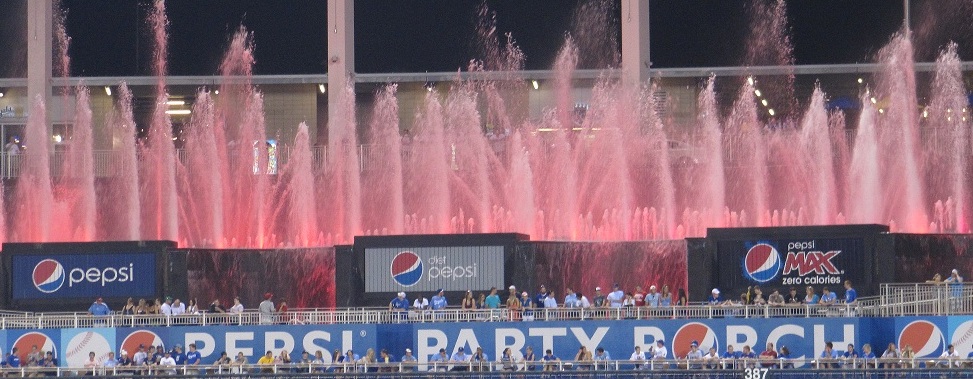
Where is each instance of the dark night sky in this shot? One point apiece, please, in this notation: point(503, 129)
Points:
point(109, 37)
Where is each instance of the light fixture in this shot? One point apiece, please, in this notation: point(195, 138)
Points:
point(925, 113)
point(322, 88)
point(750, 80)
point(881, 110)
point(1, 94)
point(860, 80)
point(178, 112)
point(429, 86)
point(216, 92)
point(764, 102)
point(757, 92)
point(176, 102)
point(535, 84)
point(873, 100)
point(108, 90)
point(57, 138)
point(771, 111)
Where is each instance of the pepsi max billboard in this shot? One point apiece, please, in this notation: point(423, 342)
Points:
point(83, 276)
point(428, 269)
point(817, 256)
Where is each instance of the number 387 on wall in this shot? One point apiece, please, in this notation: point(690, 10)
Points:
point(755, 373)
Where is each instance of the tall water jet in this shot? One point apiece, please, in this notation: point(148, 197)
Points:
point(302, 225)
point(122, 220)
point(816, 141)
point(470, 187)
point(342, 179)
point(747, 177)
point(78, 176)
point(520, 191)
point(382, 204)
point(204, 199)
point(710, 179)
point(427, 179)
point(905, 201)
point(34, 199)
point(864, 201)
point(946, 121)
point(160, 201)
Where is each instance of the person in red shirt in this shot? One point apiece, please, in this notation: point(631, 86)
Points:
point(639, 296)
point(768, 358)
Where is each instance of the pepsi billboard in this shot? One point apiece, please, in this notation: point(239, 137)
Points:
point(818, 256)
point(453, 268)
point(83, 276)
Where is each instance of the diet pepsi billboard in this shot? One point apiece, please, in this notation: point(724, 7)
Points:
point(83, 276)
point(427, 269)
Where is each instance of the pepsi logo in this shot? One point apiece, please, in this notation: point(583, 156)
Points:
point(140, 337)
point(762, 263)
point(48, 276)
point(406, 268)
point(26, 343)
point(924, 337)
point(694, 331)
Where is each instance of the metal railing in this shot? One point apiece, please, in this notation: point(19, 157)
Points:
point(926, 299)
point(670, 368)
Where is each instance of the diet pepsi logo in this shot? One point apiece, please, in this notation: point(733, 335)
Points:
point(406, 268)
point(694, 331)
point(923, 337)
point(762, 263)
point(48, 276)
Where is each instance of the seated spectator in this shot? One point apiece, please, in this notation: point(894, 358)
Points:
point(178, 307)
point(550, 301)
point(784, 356)
point(828, 297)
point(949, 358)
point(829, 357)
point(215, 307)
point(12, 360)
point(507, 360)
point(714, 298)
point(694, 357)
point(240, 363)
point(810, 298)
point(868, 357)
point(110, 362)
point(792, 298)
point(480, 360)
point(529, 358)
point(222, 363)
point(775, 299)
point(768, 358)
point(265, 362)
point(550, 361)
point(237, 307)
point(460, 360)
point(192, 308)
point(712, 359)
point(730, 357)
point(890, 358)
point(758, 297)
point(583, 359)
point(124, 360)
point(850, 357)
point(439, 361)
point(638, 356)
point(386, 362)
point(91, 365)
point(748, 357)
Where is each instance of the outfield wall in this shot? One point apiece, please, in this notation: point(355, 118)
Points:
point(805, 337)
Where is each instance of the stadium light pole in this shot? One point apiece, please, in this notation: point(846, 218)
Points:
point(635, 42)
point(40, 54)
point(341, 65)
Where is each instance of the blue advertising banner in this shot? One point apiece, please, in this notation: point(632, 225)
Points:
point(59, 276)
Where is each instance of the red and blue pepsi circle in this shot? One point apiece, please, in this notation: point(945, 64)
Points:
point(762, 263)
point(407, 268)
point(48, 276)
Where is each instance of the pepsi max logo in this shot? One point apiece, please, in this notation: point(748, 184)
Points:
point(48, 276)
point(762, 263)
point(683, 340)
point(923, 337)
point(407, 268)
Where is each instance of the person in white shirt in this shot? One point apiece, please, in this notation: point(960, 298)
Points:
point(616, 297)
point(177, 307)
point(421, 303)
point(168, 361)
point(660, 352)
point(638, 356)
point(166, 308)
point(237, 306)
point(550, 301)
point(583, 301)
point(950, 357)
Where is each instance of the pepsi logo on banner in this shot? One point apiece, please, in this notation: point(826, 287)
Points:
point(924, 337)
point(407, 268)
point(26, 343)
point(694, 331)
point(762, 263)
point(144, 338)
point(48, 276)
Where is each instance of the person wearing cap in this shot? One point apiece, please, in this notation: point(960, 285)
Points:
point(124, 359)
point(99, 308)
point(599, 300)
point(178, 355)
point(166, 307)
point(440, 362)
point(955, 283)
point(714, 297)
point(438, 302)
point(660, 353)
point(460, 360)
point(400, 306)
point(139, 358)
point(652, 298)
point(540, 297)
point(526, 306)
point(695, 356)
point(408, 361)
point(168, 361)
point(267, 309)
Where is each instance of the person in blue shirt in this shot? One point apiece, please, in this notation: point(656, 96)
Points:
point(493, 300)
point(850, 294)
point(550, 361)
point(399, 304)
point(748, 357)
point(729, 357)
point(714, 297)
point(193, 356)
point(868, 356)
point(178, 356)
point(438, 302)
point(528, 358)
point(481, 361)
point(99, 308)
point(571, 299)
point(850, 356)
point(652, 298)
point(601, 358)
point(829, 357)
point(541, 296)
point(828, 297)
point(460, 360)
point(12, 360)
point(439, 361)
